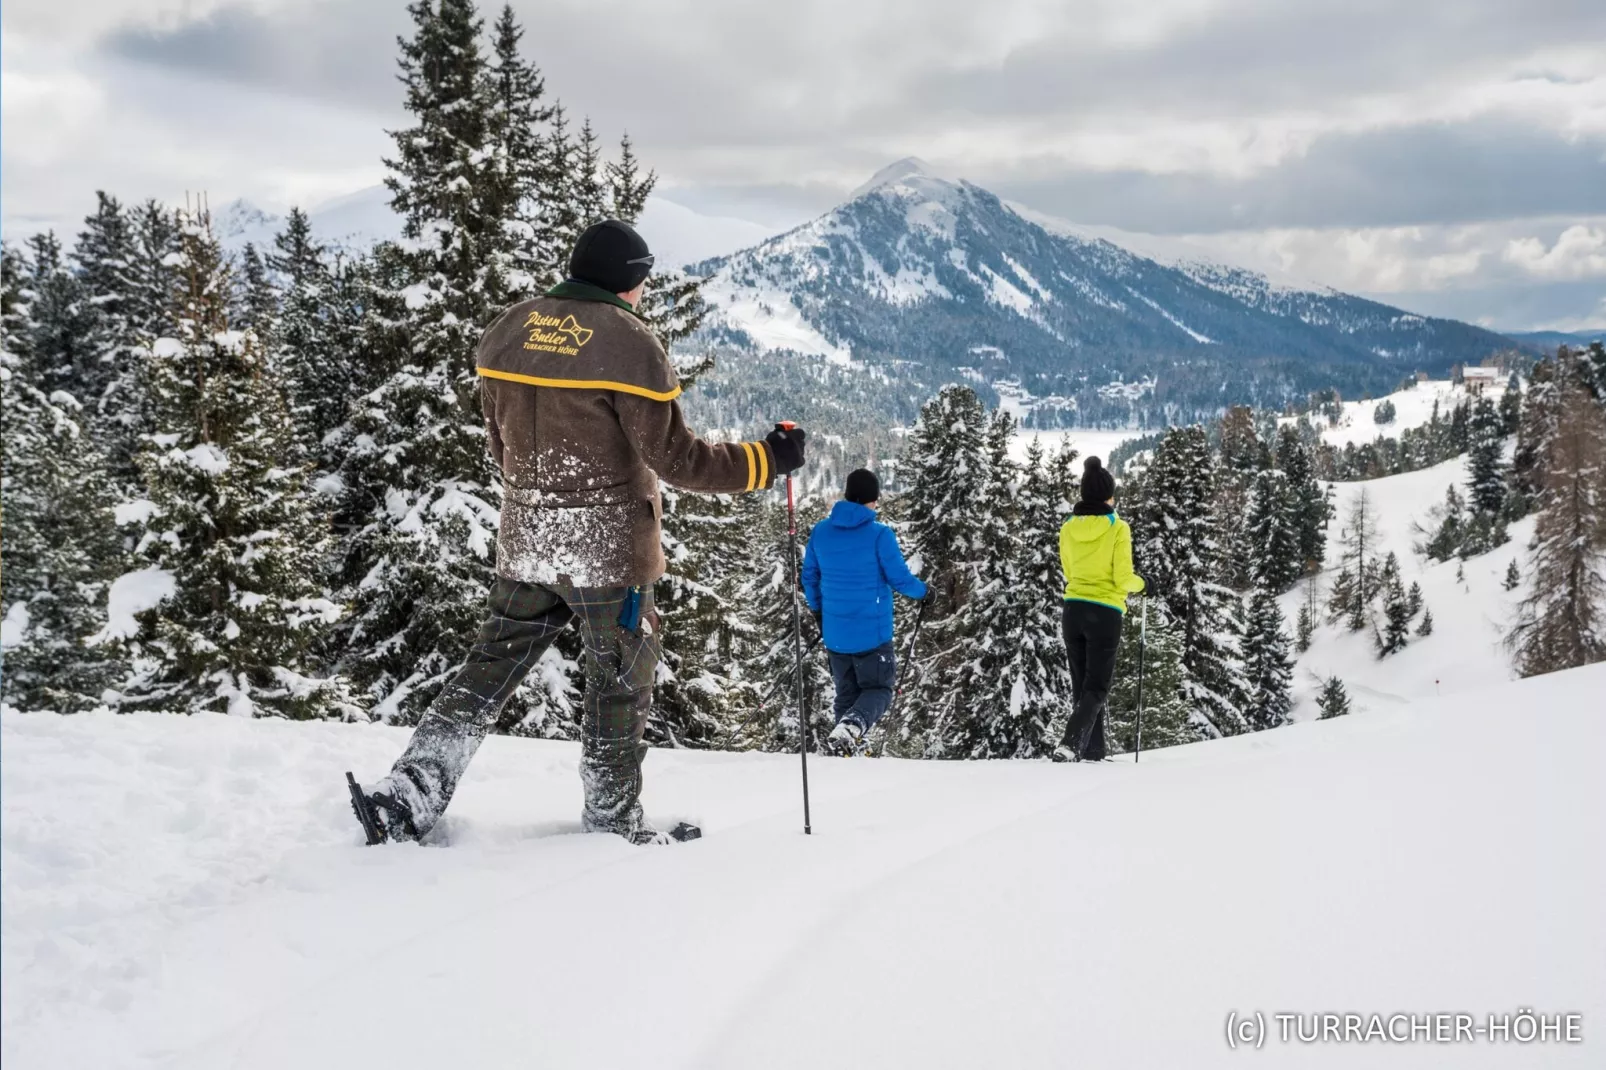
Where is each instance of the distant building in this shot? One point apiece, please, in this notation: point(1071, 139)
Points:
point(1476, 379)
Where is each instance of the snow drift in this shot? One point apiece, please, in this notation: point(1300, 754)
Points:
point(191, 893)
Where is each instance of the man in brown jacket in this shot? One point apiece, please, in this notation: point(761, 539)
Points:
point(580, 408)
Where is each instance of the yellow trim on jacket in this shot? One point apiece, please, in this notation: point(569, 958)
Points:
point(583, 384)
point(752, 465)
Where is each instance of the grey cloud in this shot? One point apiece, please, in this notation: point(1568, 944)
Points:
point(1267, 55)
point(1431, 173)
point(341, 54)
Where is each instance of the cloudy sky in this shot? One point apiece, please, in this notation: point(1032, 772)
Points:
point(1447, 155)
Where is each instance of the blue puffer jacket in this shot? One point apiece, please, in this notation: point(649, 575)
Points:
point(849, 569)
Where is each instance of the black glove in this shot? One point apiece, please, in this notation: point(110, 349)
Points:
point(786, 446)
point(819, 619)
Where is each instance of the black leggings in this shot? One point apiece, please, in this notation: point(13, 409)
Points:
point(1092, 636)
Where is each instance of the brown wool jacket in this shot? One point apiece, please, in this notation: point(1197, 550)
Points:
point(580, 406)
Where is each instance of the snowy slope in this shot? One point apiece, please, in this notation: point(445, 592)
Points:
point(190, 893)
point(1413, 408)
point(1464, 655)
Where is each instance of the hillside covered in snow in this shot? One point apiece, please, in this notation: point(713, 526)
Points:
point(191, 893)
point(1472, 609)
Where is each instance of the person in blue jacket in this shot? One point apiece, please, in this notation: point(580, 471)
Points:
point(850, 569)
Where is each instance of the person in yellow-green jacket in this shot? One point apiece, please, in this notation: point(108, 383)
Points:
point(1096, 553)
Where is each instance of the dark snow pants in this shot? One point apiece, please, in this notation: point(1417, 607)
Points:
point(864, 684)
point(1092, 636)
point(524, 619)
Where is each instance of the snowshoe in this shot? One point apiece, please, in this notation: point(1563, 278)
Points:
point(383, 817)
point(1063, 753)
point(649, 836)
point(846, 739)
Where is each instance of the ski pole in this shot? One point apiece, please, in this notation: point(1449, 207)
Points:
point(797, 637)
point(1143, 640)
point(909, 651)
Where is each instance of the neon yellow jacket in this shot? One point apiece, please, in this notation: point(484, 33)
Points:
point(1096, 553)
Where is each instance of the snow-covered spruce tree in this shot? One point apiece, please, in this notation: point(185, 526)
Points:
point(146, 313)
point(1486, 484)
point(105, 256)
point(1541, 410)
point(1426, 627)
point(1511, 405)
point(703, 542)
point(306, 343)
point(62, 549)
point(1560, 622)
point(1267, 665)
point(422, 558)
point(254, 305)
point(1271, 538)
point(628, 187)
point(1341, 596)
point(1177, 547)
point(589, 186)
point(1310, 509)
point(946, 466)
point(233, 528)
point(1040, 676)
point(1241, 452)
point(558, 222)
point(1395, 629)
point(1004, 685)
point(769, 659)
point(1447, 527)
point(1513, 577)
point(518, 117)
point(673, 302)
point(1332, 700)
point(1413, 599)
point(1304, 628)
point(58, 348)
point(1167, 720)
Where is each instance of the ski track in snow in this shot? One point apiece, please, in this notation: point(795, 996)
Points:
point(189, 893)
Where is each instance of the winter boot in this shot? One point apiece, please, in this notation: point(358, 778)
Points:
point(846, 738)
point(383, 813)
point(1065, 753)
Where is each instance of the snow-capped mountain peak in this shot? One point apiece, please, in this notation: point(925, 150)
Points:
point(917, 269)
point(910, 171)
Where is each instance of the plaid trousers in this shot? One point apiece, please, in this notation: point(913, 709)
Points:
point(524, 620)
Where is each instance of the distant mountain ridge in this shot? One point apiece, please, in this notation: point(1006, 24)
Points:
point(677, 235)
point(917, 271)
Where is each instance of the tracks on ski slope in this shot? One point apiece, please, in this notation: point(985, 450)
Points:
point(715, 918)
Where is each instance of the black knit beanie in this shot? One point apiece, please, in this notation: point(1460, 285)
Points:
point(1097, 483)
point(863, 487)
point(610, 254)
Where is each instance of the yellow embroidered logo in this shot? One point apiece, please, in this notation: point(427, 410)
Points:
point(549, 334)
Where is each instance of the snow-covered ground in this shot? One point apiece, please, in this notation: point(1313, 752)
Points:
point(1089, 441)
point(1412, 408)
point(191, 893)
point(1470, 617)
